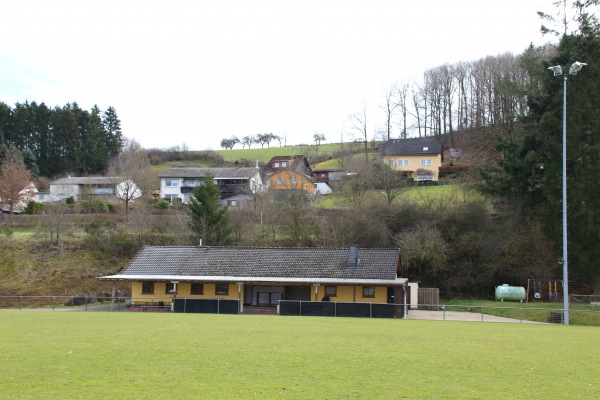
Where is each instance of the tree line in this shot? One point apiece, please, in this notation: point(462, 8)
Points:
point(63, 139)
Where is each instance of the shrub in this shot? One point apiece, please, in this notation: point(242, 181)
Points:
point(163, 204)
point(33, 207)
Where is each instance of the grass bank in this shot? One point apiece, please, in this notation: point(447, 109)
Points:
point(58, 355)
point(425, 195)
point(265, 154)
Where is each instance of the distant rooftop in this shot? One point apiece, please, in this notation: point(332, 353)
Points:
point(412, 146)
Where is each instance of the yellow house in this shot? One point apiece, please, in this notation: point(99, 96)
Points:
point(325, 280)
point(417, 158)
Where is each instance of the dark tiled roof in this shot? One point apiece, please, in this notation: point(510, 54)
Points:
point(232, 173)
point(272, 262)
point(288, 158)
point(413, 146)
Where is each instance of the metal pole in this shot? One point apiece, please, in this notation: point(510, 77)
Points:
point(564, 207)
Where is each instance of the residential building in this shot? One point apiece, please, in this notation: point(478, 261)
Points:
point(27, 194)
point(237, 185)
point(106, 187)
point(417, 158)
point(289, 173)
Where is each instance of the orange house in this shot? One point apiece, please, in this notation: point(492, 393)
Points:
point(290, 173)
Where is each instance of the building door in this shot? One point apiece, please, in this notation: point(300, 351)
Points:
point(391, 295)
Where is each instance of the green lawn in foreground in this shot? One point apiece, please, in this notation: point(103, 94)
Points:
point(76, 355)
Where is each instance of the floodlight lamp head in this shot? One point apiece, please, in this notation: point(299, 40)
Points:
point(576, 67)
point(557, 69)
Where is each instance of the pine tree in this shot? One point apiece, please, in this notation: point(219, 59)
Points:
point(112, 132)
point(530, 168)
point(210, 218)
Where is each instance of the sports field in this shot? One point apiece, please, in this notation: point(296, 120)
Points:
point(87, 355)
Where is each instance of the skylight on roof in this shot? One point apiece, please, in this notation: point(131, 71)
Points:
point(425, 148)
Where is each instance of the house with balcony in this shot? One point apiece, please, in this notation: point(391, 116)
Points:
point(237, 185)
point(417, 158)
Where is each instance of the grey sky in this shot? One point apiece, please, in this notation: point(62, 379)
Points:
point(195, 72)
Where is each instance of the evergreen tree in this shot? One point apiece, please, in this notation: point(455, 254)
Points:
point(112, 132)
point(530, 168)
point(65, 132)
point(5, 118)
point(210, 219)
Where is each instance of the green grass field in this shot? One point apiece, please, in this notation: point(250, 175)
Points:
point(416, 194)
point(265, 154)
point(77, 355)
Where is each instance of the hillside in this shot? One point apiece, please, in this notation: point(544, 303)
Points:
point(33, 267)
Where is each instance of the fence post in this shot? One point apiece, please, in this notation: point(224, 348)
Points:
point(335, 308)
point(481, 313)
point(443, 312)
point(521, 314)
point(20, 301)
point(370, 310)
point(218, 306)
point(300, 312)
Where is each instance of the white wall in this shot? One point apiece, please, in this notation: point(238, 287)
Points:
point(414, 295)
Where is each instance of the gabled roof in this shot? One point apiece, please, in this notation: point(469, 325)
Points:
point(267, 264)
point(89, 180)
point(412, 146)
point(288, 158)
point(229, 173)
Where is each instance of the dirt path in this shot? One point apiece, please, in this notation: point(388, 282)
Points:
point(462, 316)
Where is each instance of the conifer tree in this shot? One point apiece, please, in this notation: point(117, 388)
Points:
point(210, 219)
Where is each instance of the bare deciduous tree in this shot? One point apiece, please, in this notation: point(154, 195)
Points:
point(389, 105)
point(15, 179)
point(133, 165)
point(358, 123)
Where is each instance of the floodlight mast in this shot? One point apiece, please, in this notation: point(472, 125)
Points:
point(557, 69)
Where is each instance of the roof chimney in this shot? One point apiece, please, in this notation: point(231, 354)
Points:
point(200, 243)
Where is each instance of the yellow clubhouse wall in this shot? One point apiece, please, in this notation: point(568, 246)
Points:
point(183, 290)
point(352, 294)
point(345, 294)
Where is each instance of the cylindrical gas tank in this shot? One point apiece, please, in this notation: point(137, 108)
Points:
point(512, 293)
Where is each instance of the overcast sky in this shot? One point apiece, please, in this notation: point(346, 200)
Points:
point(196, 72)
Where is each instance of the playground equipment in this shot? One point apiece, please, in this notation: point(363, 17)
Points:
point(536, 287)
point(507, 292)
